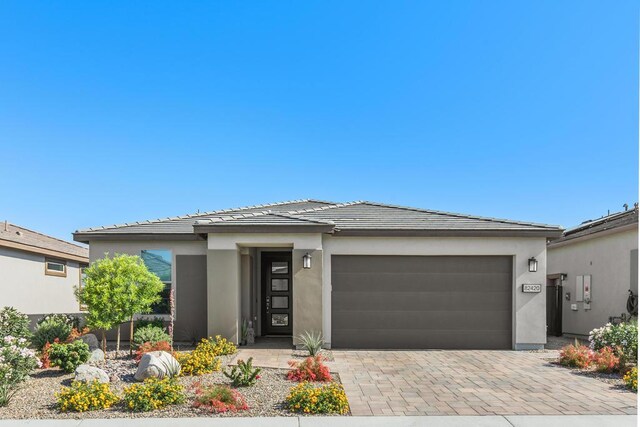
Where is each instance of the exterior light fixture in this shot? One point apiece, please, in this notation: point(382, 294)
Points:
point(563, 277)
point(306, 261)
point(533, 265)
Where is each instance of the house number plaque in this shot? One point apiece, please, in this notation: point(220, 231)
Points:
point(531, 289)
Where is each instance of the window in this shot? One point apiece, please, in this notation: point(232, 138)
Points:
point(159, 262)
point(54, 267)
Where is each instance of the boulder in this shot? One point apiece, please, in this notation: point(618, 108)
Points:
point(96, 355)
point(89, 373)
point(90, 340)
point(157, 364)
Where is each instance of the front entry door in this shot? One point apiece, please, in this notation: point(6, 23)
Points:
point(554, 307)
point(277, 291)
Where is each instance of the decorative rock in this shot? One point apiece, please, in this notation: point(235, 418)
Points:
point(91, 340)
point(97, 355)
point(91, 373)
point(157, 364)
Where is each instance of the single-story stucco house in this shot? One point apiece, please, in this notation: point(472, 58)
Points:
point(38, 273)
point(368, 275)
point(591, 270)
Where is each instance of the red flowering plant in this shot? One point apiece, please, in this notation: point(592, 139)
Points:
point(576, 355)
point(149, 346)
point(606, 360)
point(219, 398)
point(44, 356)
point(310, 369)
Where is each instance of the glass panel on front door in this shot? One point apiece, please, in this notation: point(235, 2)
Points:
point(279, 302)
point(279, 320)
point(279, 267)
point(279, 285)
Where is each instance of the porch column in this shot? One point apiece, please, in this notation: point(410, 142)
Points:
point(223, 294)
point(307, 293)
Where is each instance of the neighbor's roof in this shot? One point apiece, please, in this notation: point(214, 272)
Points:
point(16, 237)
point(352, 218)
point(615, 221)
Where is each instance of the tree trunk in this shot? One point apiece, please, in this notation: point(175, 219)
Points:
point(131, 337)
point(118, 341)
point(104, 343)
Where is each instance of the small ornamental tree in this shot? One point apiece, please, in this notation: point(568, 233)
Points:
point(116, 289)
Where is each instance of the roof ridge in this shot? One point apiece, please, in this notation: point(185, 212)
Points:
point(196, 215)
point(460, 215)
point(45, 235)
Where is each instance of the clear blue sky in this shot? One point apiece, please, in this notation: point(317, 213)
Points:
point(121, 111)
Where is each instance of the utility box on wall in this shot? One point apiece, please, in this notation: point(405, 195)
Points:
point(583, 290)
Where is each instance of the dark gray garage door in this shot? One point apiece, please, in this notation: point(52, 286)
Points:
point(429, 302)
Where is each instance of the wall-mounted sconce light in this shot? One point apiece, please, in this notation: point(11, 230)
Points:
point(567, 296)
point(533, 265)
point(306, 261)
point(563, 276)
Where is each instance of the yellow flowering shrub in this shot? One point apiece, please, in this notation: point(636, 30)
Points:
point(82, 396)
point(221, 346)
point(152, 394)
point(203, 360)
point(631, 379)
point(308, 398)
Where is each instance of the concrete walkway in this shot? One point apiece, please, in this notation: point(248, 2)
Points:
point(477, 421)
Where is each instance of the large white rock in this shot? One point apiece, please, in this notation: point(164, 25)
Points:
point(91, 373)
point(96, 355)
point(157, 364)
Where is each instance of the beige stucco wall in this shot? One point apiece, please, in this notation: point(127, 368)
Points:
point(223, 294)
point(307, 292)
point(607, 258)
point(24, 285)
point(529, 322)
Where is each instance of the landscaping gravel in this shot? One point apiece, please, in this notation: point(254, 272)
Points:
point(36, 397)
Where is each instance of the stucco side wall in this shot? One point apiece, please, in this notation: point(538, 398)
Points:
point(529, 320)
point(607, 259)
point(25, 286)
point(307, 293)
point(223, 294)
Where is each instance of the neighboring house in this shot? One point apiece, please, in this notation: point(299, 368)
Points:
point(591, 270)
point(38, 273)
point(368, 275)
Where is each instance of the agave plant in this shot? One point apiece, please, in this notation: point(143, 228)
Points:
point(311, 341)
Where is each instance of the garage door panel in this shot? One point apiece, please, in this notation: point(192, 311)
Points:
point(427, 321)
point(412, 281)
point(376, 301)
point(421, 302)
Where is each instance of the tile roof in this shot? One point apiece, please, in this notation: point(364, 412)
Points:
point(606, 223)
point(17, 237)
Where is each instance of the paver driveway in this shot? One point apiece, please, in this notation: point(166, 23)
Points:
point(471, 383)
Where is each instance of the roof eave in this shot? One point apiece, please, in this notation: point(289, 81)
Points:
point(93, 236)
point(43, 251)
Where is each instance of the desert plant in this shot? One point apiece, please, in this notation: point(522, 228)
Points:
point(310, 369)
point(221, 346)
point(219, 398)
point(115, 289)
point(623, 338)
point(605, 360)
point(148, 347)
point(51, 330)
point(203, 360)
point(311, 341)
point(69, 319)
point(244, 374)
point(82, 396)
point(575, 355)
point(14, 324)
point(75, 334)
point(631, 379)
point(45, 360)
point(310, 399)
point(69, 356)
point(146, 321)
point(149, 334)
point(244, 331)
point(16, 363)
point(152, 394)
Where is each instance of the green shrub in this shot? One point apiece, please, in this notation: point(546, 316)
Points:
point(69, 319)
point(69, 356)
point(622, 337)
point(153, 394)
point(244, 374)
point(16, 362)
point(50, 330)
point(83, 396)
point(311, 341)
point(14, 324)
point(310, 399)
point(151, 334)
point(158, 322)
